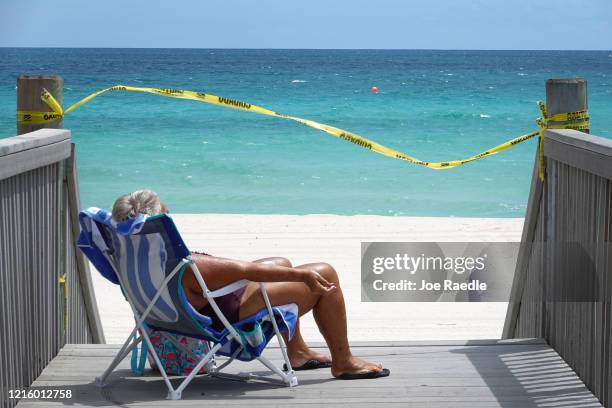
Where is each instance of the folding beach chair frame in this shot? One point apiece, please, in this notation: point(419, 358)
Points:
point(287, 378)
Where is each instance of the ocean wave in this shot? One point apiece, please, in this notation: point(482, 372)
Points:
point(484, 115)
point(298, 81)
point(453, 115)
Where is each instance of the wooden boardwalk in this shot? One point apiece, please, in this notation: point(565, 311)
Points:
point(477, 373)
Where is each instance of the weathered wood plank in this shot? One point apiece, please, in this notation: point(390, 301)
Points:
point(32, 140)
point(576, 401)
point(26, 160)
point(493, 375)
point(576, 149)
point(81, 264)
point(524, 255)
point(384, 344)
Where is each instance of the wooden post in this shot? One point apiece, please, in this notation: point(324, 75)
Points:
point(562, 96)
point(566, 95)
point(81, 263)
point(29, 89)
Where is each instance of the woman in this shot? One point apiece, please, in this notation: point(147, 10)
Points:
point(312, 286)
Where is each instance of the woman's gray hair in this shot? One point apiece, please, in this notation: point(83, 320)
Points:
point(141, 201)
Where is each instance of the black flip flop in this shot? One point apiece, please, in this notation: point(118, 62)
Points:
point(309, 365)
point(362, 376)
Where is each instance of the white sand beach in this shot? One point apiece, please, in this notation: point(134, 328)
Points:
point(337, 240)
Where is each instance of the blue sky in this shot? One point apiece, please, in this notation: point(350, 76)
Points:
point(403, 24)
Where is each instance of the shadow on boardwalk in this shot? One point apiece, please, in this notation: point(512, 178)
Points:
point(535, 375)
point(479, 373)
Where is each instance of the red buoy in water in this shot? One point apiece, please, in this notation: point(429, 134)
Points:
point(374, 89)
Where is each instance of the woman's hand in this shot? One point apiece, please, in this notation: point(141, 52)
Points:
point(317, 283)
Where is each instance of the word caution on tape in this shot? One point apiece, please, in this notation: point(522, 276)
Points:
point(578, 120)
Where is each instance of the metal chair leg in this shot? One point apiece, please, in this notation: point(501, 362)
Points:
point(128, 345)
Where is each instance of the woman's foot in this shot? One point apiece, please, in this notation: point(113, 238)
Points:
point(298, 358)
point(355, 365)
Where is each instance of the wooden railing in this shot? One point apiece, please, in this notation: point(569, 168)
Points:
point(39, 204)
point(562, 290)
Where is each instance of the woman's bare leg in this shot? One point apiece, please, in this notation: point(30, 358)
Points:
point(298, 351)
point(329, 313)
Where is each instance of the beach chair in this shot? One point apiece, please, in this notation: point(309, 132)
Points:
point(147, 258)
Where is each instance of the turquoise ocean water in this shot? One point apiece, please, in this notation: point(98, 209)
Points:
point(435, 105)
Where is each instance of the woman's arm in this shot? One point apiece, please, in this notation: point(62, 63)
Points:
point(219, 272)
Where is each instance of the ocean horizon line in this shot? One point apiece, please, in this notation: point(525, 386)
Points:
point(312, 49)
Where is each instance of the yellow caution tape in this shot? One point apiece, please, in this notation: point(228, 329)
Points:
point(580, 121)
point(51, 102)
point(62, 281)
point(37, 118)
